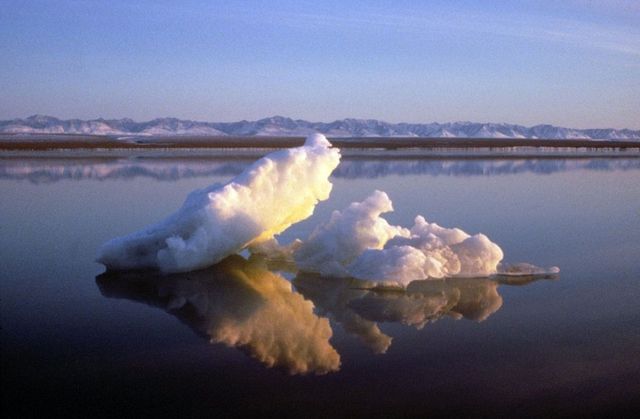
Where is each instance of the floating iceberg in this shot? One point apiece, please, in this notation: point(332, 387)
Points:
point(357, 242)
point(283, 188)
point(275, 192)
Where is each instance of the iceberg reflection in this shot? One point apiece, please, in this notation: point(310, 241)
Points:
point(359, 308)
point(239, 303)
point(243, 304)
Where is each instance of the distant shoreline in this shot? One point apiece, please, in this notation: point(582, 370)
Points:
point(80, 141)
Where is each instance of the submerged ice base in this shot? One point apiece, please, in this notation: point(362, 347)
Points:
point(275, 192)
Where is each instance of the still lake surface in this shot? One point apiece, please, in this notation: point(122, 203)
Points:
point(242, 338)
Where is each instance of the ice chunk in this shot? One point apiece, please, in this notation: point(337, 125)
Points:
point(357, 242)
point(275, 192)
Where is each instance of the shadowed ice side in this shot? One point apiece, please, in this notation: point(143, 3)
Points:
point(239, 303)
point(359, 309)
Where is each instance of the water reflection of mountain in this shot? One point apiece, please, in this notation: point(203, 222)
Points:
point(474, 167)
point(359, 310)
point(241, 304)
point(52, 170)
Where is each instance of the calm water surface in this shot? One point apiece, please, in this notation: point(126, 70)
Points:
point(243, 338)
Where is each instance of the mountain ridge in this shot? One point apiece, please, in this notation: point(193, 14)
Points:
point(284, 127)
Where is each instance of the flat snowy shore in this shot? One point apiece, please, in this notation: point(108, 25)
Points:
point(79, 141)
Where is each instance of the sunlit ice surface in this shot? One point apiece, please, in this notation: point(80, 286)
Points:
point(275, 192)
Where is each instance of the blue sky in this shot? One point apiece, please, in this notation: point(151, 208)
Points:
point(573, 63)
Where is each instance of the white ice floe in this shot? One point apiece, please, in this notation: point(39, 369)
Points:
point(275, 192)
point(283, 188)
point(357, 242)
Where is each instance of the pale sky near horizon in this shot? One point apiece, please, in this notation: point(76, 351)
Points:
point(574, 63)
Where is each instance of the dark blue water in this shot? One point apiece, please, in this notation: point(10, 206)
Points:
point(247, 338)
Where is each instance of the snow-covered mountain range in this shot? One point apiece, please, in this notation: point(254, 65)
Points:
point(281, 126)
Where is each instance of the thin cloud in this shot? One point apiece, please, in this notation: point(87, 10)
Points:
point(618, 39)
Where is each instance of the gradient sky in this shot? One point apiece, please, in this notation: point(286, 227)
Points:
point(572, 63)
